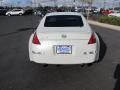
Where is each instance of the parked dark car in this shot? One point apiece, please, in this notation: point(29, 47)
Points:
point(29, 11)
point(3, 10)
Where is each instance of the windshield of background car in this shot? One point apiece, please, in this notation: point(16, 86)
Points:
point(63, 21)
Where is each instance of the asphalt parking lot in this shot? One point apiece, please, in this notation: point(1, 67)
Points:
point(18, 73)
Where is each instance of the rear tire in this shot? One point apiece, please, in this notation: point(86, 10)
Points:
point(8, 14)
point(20, 14)
point(90, 64)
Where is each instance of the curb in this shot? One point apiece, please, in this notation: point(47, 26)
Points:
point(104, 25)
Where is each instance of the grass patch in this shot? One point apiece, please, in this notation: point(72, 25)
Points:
point(110, 20)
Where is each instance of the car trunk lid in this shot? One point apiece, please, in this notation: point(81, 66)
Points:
point(69, 33)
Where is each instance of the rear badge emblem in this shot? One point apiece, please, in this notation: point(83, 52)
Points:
point(64, 36)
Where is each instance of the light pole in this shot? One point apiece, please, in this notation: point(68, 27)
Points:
point(55, 3)
point(1, 2)
point(35, 3)
point(74, 4)
point(114, 4)
point(89, 8)
point(104, 4)
point(83, 1)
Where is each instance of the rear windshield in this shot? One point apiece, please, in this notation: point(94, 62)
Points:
point(63, 21)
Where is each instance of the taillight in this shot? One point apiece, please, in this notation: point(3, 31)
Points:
point(92, 39)
point(35, 39)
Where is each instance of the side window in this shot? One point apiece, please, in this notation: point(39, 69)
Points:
point(17, 10)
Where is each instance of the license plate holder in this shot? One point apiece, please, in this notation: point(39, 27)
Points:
point(64, 49)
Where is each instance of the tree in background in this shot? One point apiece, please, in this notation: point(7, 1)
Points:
point(89, 2)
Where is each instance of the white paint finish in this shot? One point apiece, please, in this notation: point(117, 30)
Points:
point(14, 12)
point(78, 38)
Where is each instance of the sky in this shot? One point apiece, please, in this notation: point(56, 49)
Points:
point(16, 2)
point(98, 3)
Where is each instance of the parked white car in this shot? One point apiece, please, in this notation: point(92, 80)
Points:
point(64, 38)
point(114, 14)
point(15, 12)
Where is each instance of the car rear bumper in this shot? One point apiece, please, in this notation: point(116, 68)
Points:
point(62, 59)
point(89, 56)
point(46, 54)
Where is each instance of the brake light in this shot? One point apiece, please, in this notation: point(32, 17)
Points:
point(35, 39)
point(92, 39)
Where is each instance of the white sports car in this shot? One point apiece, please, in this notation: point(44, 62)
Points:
point(64, 38)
